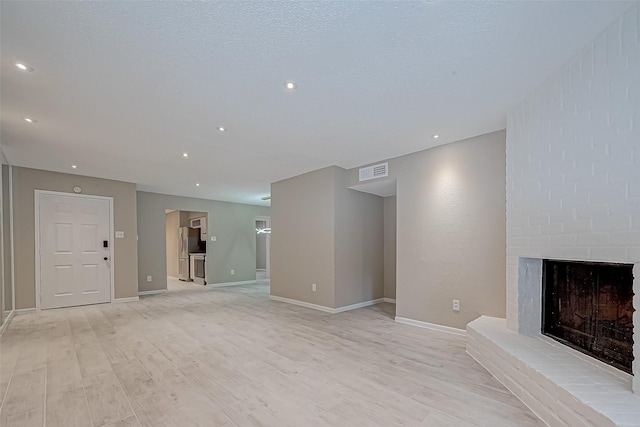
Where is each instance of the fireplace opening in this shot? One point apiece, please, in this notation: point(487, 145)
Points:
point(589, 307)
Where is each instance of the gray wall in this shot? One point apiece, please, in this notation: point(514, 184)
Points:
point(172, 227)
point(450, 235)
point(233, 224)
point(359, 256)
point(26, 181)
point(326, 234)
point(390, 247)
point(3, 283)
point(302, 237)
point(451, 231)
point(8, 291)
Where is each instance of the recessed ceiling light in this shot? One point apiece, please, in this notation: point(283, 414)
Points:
point(436, 136)
point(23, 67)
point(197, 184)
point(290, 85)
point(221, 129)
point(185, 154)
point(74, 166)
point(30, 120)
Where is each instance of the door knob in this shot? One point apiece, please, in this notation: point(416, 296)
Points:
point(105, 258)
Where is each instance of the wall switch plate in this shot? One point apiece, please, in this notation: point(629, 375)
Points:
point(213, 238)
point(456, 305)
point(119, 234)
point(233, 272)
point(313, 287)
point(148, 278)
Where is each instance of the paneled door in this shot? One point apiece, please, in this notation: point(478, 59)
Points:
point(75, 255)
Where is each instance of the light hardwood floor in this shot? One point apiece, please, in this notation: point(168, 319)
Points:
point(174, 284)
point(231, 357)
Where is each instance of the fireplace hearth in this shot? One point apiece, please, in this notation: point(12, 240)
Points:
point(589, 306)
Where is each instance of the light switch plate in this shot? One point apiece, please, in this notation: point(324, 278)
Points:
point(119, 234)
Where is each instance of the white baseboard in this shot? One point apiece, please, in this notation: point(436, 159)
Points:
point(222, 285)
point(433, 326)
point(171, 277)
point(324, 308)
point(358, 305)
point(391, 300)
point(130, 299)
point(157, 291)
point(7, 321)
point(303, 304)
point(24, 310)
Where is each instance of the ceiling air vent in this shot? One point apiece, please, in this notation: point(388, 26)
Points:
point(375, 171)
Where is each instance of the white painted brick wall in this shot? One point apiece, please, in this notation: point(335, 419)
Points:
point(573, 163)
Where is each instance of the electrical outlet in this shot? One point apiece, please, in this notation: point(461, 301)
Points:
point(233, 272)
point(213, 238)
point(313, 287)
point(149, 278)
point(456, 305)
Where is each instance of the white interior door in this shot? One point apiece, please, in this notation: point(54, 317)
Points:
point(75, 265)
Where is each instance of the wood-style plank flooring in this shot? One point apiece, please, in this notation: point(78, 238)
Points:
point(231, 357)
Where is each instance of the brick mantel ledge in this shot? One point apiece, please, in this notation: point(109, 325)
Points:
point(560, 385)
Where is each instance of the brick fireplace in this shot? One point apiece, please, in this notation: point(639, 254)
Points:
point(563, 386)
point(573, 193)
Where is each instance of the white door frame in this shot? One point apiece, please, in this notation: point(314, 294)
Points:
point(267, 220)
point(38, 193)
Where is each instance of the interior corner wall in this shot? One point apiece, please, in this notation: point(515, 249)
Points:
point(233, 224)
point(172, 227)
point(390, 247)
point(359, 254)
point(302, 237)
point(451, 231)
point(6, 230)
point(2, 237)
point(327, 234)
point(25, 182)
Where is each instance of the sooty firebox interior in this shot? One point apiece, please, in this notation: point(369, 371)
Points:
point(589, 306)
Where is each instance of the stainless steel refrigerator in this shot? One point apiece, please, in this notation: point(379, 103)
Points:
point(188, 239)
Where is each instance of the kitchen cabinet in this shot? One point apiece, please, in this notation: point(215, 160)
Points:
point(201, 224)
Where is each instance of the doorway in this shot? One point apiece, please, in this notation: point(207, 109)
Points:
point(186, 246)
point(263, 240)
point(73, 249)
point(389, 253)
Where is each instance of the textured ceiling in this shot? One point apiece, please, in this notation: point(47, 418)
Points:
point(122, 89)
